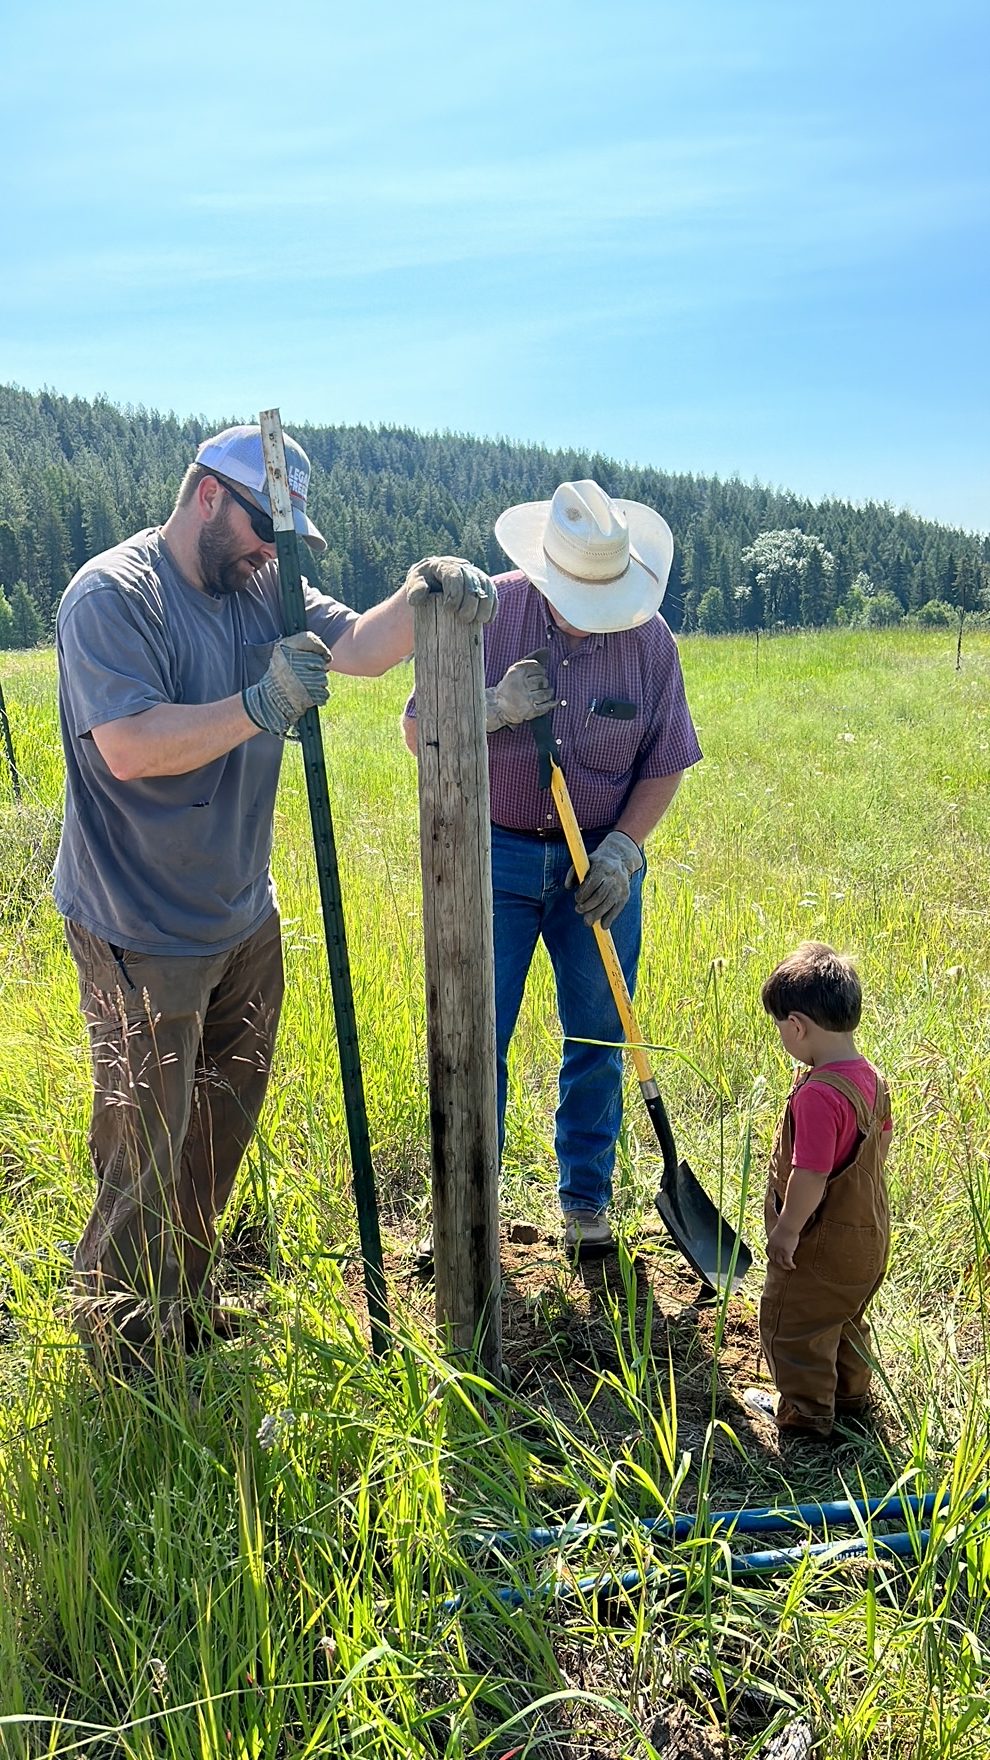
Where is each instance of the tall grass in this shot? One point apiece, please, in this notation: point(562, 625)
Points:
point(261, 1557)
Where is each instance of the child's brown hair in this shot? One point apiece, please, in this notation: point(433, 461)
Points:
point(818, 982)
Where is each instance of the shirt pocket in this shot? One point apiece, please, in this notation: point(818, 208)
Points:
point(848, 1255)
point(255, 658)
point(609, 747)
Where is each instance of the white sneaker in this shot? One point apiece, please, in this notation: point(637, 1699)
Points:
point(588, 1233)
point(760, 1401)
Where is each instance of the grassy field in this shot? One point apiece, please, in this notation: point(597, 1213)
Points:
point(258, 1561)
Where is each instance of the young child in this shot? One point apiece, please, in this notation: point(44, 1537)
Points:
point(828, 1224)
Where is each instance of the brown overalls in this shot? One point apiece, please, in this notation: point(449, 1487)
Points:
point(812, 1327)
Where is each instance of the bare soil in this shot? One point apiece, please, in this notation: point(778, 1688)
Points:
point(559, 1338)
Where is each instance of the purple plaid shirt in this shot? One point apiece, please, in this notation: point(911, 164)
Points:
point(601, 757)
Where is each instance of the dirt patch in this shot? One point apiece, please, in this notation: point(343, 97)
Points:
point(581, 1323)
point(679, 1736)
point(570, 1333)
point(574, 1338)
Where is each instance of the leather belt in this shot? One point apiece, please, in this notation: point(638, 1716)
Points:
point(553, 834)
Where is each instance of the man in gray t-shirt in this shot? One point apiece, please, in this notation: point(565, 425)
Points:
point(177, 686)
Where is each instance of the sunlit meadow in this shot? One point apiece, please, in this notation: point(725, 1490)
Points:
point(258, 1558)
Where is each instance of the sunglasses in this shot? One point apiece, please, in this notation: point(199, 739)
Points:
point(261, 524)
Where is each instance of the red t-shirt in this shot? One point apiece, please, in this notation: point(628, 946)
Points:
point(823, 1120)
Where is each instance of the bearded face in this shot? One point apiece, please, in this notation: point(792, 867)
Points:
point(225, 563)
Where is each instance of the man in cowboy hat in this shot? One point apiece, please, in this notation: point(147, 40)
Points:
point(590, 576)
point(177, 687)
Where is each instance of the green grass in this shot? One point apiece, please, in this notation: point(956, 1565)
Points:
point(172, 1585)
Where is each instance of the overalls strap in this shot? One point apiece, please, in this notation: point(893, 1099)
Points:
point(866, 1115)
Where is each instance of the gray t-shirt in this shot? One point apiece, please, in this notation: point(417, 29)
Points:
point(167, 864)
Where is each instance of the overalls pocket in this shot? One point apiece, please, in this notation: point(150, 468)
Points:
point(847, 1254)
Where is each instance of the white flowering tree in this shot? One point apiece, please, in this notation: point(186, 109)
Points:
point(789, 579)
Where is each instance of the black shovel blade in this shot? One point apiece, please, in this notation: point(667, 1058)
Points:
point(711, 1247)
point(719, 1256)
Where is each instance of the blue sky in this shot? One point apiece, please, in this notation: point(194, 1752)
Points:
point(744, 238)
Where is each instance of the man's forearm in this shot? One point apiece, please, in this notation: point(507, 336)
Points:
point(379, 639)
point(173, 738)
point(647, 805)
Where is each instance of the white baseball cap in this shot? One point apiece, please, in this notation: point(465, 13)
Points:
point(237, 453)
point(602, 564)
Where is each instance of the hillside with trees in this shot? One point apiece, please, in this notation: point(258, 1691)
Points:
point(78, 475)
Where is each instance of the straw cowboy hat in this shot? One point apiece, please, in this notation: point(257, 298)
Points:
point(602, 564)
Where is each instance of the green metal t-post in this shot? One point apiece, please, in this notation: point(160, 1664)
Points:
point(311, 739)
point(8, 746)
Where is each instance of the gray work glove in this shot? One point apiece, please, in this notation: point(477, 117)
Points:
point(467, 591)
point(522, 693)
point(296, 680)
point(604, 891)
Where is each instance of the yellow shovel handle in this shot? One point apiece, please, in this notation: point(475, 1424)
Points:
point(606, 946)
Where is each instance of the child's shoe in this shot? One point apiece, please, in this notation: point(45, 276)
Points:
point(761, 1402)
point(764, 1404)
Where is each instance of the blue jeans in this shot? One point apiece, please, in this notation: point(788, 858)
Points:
point(530, 901)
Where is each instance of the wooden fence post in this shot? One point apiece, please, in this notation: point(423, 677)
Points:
point(455, 843)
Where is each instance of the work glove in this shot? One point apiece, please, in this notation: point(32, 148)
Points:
point(604, 891)
point(522, 693)
point(467, 591)
point(296, 680)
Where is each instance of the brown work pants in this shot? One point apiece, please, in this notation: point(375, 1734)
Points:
point(181, 1050)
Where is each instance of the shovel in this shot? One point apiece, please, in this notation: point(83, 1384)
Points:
point(709, 1244)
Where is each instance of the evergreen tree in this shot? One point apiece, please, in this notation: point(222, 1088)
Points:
point(726, 588)
point(699, 540)
point(712, 614)
point(76, 476)
point(816, 605)
point(898, 576)
point(26, 626)
point(750, 602)
point(964, 584)
point(10, 553)
point(102, 525)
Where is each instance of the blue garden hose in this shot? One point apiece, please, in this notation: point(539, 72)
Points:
point(842, 1513)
